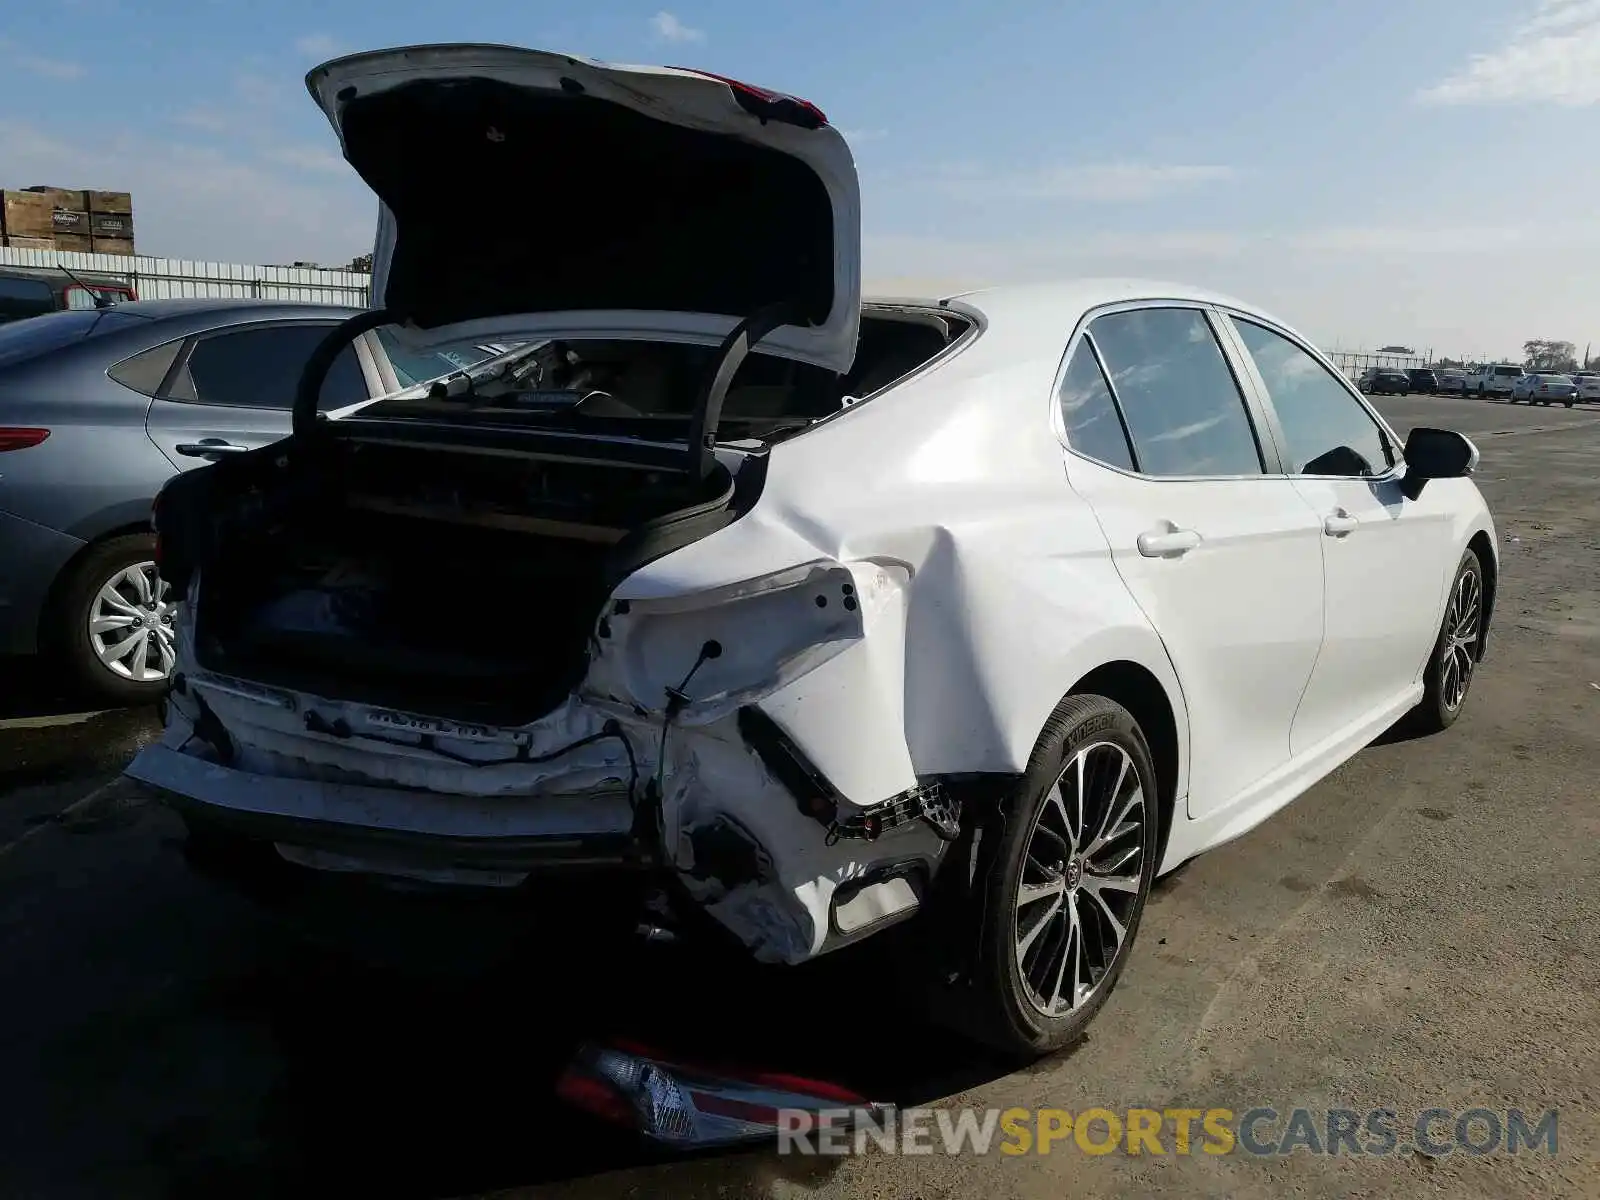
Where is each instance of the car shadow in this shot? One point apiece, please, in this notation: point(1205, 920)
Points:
point(32, 686)
point(50, 734)
point(408, 1086)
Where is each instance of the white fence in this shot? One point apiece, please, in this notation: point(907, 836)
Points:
point(165, 278)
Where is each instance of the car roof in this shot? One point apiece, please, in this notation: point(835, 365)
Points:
point(1032, 321)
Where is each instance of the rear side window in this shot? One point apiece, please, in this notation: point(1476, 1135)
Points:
point(1177, 394)
point(1090, 414)
point(1327, 430)
point(260, 368)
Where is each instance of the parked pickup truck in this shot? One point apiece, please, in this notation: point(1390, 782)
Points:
point(1496, 379)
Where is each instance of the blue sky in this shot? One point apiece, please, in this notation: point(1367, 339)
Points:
point(1372, 170)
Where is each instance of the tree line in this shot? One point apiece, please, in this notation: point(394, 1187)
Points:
point(1543, 354)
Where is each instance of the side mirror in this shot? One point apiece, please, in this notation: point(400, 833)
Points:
point(1436, 454)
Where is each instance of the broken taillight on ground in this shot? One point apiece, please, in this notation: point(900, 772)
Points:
point(691, 1107)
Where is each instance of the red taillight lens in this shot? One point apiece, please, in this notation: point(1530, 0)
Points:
point(597, 1098)
point(14, 438)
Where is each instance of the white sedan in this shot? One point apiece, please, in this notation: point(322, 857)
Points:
point(1543, 387)
point(980, 610)
point(1588, 383)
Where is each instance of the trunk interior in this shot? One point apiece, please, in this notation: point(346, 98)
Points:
point(452, 557)
point(462, 583)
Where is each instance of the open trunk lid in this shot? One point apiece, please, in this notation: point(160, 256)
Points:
point(536, 193)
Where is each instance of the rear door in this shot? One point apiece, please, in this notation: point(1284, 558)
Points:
point(1384, 557)
point(232, 389)
point(1221, 554)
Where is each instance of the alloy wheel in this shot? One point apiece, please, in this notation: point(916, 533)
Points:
point(1461, 627)
point(130, 625)
point(1080, 881)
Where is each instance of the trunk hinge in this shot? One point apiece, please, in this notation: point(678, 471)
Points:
point(731, 354)
point(308, 393)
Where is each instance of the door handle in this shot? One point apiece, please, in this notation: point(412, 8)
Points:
point(1167, 543)
point(1339, 523)
point(206, 447)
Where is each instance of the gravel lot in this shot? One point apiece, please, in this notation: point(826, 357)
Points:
point(1420, 930)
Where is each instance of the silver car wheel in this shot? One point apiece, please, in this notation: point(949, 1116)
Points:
point(130, 625)
point(1461, 640)
point(1080, 879)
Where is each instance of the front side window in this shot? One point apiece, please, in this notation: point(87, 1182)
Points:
point(1183, 409)
point(1090, 414)
point(1327, 430)
point(260, 368)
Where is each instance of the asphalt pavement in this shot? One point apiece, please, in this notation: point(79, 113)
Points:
point(1417, 931)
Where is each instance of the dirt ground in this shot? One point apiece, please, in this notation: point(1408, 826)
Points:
point(1418, 931)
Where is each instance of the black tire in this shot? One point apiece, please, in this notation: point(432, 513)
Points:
point(1439, 708)
point(1004, 1016)
point(67, 634)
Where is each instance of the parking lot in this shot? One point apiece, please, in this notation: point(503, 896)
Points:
point(1421, 930)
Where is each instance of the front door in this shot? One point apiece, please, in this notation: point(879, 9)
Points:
point(1384, 557)
point(1224, 559)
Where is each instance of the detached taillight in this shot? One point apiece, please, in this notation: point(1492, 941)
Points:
point(692, 1106)
point(14, 437)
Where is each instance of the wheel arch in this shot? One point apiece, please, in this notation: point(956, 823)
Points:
point(1138, 690)
point(1481, 545)
point(48, 610)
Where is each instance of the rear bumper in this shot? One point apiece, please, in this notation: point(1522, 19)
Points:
point(31, 557)
point(427, 837)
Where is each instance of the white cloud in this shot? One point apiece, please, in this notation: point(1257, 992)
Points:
point(670, 29)
point(51, 68)
point(1553, 57)
point(316, 45)
point(1094, 182)
point(205, 203)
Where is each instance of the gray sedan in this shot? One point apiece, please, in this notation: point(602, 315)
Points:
point(98, 408)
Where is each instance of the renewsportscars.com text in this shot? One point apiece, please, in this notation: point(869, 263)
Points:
point(1177, 1131)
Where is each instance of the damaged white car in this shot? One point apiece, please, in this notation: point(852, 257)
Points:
point(786, 614)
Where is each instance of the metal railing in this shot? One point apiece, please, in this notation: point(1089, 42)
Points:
point(167, 278)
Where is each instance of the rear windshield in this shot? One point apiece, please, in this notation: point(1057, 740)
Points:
point(1511, 371)
point(412, 367)
point(1554, 379)
point(39, 335)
